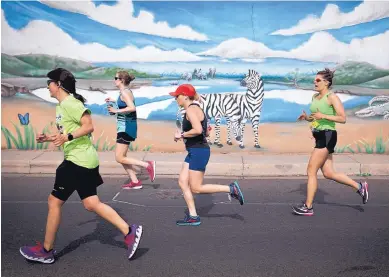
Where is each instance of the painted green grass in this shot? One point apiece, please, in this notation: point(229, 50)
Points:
point(105, 145)
point(379, 146)
point(25, 137)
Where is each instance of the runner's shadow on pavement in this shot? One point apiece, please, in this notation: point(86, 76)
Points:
point(321, 194)
point(105, 233)
point(205, 203)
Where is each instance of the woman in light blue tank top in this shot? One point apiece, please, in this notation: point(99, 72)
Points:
point(127, 130)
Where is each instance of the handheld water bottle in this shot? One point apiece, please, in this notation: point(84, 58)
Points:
point(111, 104)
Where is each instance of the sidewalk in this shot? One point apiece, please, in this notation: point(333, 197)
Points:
point(238, 165)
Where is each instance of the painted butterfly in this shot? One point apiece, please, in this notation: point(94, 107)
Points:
point(24, 120)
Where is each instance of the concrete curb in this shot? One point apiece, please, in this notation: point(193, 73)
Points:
point(220, 165)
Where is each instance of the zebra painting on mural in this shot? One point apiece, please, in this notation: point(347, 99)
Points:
point(236, 108)
point(250, 104)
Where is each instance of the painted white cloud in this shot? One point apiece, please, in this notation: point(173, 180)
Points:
point(121, 16)
point(333, 18)
point(321, 47)
point(239, 48)
point(42, 37)
point(253, 60)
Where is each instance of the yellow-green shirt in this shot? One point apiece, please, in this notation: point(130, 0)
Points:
point(80, 150)
point(324, 108)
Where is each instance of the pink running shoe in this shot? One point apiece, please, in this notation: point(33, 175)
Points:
point(132, 240)
point(151, 170)
point(38, 254)
point(132, 185)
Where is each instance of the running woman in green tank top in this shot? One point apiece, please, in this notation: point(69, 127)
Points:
point(78, 172)
point(326, 110)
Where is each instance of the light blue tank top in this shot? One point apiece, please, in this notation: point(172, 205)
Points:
point(126, 122)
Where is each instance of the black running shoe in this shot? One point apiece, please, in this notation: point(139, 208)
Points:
point(303, 210)
point(364, 192)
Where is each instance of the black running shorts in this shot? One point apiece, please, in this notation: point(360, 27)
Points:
point(124, 138)
point(71, 177)
point(326, 139)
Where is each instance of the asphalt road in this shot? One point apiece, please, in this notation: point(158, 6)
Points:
point(261, 238)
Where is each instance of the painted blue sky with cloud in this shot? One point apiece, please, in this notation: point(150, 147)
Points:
point(219, 21)
point(245, 19)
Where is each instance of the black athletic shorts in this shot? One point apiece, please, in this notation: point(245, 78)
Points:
point(124, 138)
point(326, 139)
point(71, 177)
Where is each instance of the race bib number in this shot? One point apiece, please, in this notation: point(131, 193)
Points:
point(314, 124)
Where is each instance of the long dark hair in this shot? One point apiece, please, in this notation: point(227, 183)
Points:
point(72, 91)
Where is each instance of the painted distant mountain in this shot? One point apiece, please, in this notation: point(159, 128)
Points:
point(48, 62)
point(355, 73)
point(107, 73)
point(382, 83)
point(38, 66)
point(13, 66)
point(350, 73)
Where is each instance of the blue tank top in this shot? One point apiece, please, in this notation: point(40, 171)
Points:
point(126, 122)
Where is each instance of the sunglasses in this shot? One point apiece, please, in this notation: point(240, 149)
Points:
point(318, 80)
point(117, 78)
point(49, 82)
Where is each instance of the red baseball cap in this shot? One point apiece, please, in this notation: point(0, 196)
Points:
point(184, 89)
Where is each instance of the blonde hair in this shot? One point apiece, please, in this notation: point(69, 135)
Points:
point(195, 97)
point(127, 78)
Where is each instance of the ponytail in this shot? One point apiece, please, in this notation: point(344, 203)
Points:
point(196, 97)
point(79, 97)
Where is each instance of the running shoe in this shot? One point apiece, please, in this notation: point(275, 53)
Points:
point(151, 170)
point(38, 254)
point(236, 193)
point(189, 221)
point(132, 239)
point(303, 210)
point(132, 185)
point(364, 192)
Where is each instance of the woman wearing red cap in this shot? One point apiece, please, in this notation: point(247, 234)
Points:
point(192, 173)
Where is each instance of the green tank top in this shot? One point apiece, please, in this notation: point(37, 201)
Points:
point(324, 108)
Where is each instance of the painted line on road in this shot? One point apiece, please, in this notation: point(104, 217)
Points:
point(43, 202)
point(116, 195)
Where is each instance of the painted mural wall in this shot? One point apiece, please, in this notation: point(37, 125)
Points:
point(211, 45)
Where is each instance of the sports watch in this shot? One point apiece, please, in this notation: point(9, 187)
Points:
point(70, 137)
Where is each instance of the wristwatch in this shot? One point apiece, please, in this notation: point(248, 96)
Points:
point(70, 137)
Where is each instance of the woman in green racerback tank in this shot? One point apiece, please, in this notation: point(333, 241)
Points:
point(326, 110)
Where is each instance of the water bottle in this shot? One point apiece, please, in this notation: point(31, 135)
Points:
point(110, 104)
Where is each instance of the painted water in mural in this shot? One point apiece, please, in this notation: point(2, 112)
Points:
point(211, 45)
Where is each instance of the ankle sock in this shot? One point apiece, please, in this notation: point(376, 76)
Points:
point(129, 230)
point(360, 186)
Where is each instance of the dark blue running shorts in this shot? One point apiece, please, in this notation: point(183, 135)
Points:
point(198, 158)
